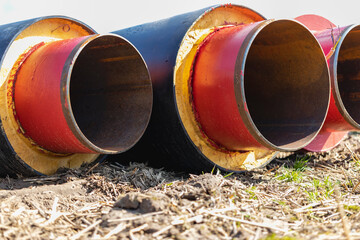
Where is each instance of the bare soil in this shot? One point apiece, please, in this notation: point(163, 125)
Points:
point(300, 196)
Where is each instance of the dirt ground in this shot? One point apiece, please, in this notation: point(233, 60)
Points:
point(302, 196)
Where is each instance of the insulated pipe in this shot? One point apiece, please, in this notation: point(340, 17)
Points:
point(341, 45)
point(69, 95)
point(175, 137)
point(252, 85)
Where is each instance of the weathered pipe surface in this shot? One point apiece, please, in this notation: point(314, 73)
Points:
point(67, 95)
point(341, 46)
point(83, 95)
point(175, 137)
point(38, 104)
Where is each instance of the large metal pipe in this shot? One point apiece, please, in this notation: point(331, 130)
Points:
point(247, 81)
point(341, 45)
point(191, 127)
point(68, 95)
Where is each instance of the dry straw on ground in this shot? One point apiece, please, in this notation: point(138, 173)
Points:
point(303, 196)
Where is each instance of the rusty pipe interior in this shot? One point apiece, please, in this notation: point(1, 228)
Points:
point(286, 85)
point(110, 94)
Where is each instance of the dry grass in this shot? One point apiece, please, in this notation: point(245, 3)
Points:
point(304, 196)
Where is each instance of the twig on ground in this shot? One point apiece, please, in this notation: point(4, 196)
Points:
point(82, 232)
point(115, 231)
point(345, 224)
point(136, 217)
point(248, 222)
point(138, 229)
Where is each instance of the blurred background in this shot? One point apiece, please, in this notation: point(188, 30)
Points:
point(109, 15)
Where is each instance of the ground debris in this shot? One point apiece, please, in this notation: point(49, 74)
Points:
point(143, 202)
point(297, 197)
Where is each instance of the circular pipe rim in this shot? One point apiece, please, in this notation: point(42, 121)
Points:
point(66, 101)
point(240, 88)
point(333, 72)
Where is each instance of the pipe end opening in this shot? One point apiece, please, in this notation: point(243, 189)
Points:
point(110, 94)
point(286, 85)
point(348, 75)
